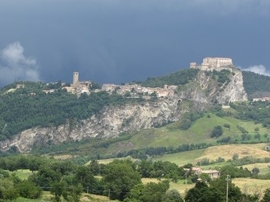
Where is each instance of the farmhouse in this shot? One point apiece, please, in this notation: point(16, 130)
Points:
point(213, 174)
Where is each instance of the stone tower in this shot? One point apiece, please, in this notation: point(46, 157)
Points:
point(75, 78)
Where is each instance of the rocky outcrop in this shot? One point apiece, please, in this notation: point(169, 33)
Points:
point(114, 120)
point(206, 90)
point(110, 122)
point(234, 91)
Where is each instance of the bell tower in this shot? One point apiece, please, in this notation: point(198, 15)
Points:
point(75, 78)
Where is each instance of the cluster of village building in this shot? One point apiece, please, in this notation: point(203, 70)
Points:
point(80, 87)
point(209, 64)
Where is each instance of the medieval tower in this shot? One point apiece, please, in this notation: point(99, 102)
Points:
point(75, 78)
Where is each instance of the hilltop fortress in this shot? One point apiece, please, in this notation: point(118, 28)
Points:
point(214, 63)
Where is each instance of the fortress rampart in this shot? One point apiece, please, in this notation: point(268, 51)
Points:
point(214, 63)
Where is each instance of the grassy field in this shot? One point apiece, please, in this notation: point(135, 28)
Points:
point(22, 173)
point(212, 153)
point(251, 186)
point(171, 136)
point(263, 167)
point(181, 158)
point(242, 150)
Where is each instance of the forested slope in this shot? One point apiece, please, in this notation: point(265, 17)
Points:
point(180, 77)
point(256, 85)
point(28, 107)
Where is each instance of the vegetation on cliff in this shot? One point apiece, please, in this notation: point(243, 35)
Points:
point(256, 85)
point(181, 77)
point(24, 109)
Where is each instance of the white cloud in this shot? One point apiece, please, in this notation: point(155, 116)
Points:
point(17, 65)
point(259, 69)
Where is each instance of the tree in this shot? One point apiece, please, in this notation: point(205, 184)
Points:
point(7, 190)
point(216, 132)
point(172, 196)
point(212, 194)
point(255, 171)
point(266, 196)
point(135, 193)
point(153, 192)
point(197, 192)
point(220, 184)
point(145, 168)
point(45, 177)
point(68, 192)
point(84, 176)
point(28, 189)
point(205, 177)
point(226, 125)
point(59, 189)
point(94, 167)
point(119, 179)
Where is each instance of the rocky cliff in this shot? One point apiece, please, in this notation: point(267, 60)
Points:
point(112, 121)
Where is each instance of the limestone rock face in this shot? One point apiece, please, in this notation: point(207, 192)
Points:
point(110, 122)
point(114, 120)
point(206, 90)
point(234, 91)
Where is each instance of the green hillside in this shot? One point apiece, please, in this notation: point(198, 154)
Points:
point(167, 139)
point(26, 104)
point(30, 106)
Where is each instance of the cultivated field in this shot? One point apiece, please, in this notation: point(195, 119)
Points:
point(212, 153)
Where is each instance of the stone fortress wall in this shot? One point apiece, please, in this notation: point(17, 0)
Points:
point(214, 63)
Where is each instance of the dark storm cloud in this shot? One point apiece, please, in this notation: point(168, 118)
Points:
point(114, 41)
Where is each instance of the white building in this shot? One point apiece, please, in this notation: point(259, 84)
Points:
point(217, 62)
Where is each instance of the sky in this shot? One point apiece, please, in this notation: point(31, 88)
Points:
point(118, 41)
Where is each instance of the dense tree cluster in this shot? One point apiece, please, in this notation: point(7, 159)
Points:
point(256, 85)
point(66, 180)
point(159, 169)
point(155, 151)
point(216, 132)
point(120, 179)
point(30, 106)
point(222, 77)
point(177, 78)
point(252, 111)
point(153, 192)
point(189, 119)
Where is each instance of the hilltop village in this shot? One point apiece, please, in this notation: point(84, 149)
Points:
point(209, 64)
point(80, 87)
point(135, 90)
